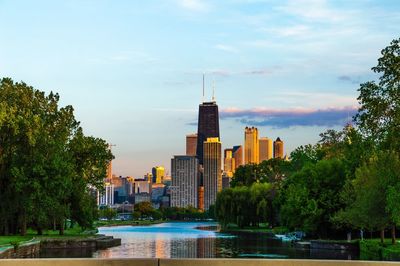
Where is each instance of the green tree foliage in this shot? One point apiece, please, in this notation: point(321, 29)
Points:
point(375, 192)
point(244, 205)
point(310, 196)
point(379, 114)
point(40, 181)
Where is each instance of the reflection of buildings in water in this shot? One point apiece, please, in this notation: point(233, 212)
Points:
point(163, 247)
point(206, 248)
point(185, 248)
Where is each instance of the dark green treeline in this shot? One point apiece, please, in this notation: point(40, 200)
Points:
point(48, 167)
point(349, 180)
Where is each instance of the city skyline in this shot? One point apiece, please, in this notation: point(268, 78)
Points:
point(289, 68)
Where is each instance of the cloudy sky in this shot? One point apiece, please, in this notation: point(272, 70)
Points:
point(133, 69)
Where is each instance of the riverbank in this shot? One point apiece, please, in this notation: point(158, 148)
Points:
point(111, 223)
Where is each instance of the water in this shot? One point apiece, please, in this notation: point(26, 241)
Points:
point(185, 240)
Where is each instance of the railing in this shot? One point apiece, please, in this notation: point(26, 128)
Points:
point(186, 262)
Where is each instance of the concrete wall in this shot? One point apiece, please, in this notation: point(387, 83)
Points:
point(184, 262)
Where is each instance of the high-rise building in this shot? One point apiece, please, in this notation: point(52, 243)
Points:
point(251, 145)
point(266, 149)
point(184, 181)
point(212, 171)
point(229, 162)
point(278, 148)
point(208, 126)
point(191, 144)
point(158, 173)
point(237, 154)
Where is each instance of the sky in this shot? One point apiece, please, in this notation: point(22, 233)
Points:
point(133, 70)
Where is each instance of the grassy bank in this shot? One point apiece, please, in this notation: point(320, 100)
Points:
point(373, 249)
point(130, 222)
point(261, 229)
point(71, 233)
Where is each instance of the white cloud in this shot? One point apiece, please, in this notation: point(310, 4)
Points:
point(226, 48)
point(194, 5)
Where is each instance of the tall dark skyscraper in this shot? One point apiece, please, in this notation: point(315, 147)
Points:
point(208, 126)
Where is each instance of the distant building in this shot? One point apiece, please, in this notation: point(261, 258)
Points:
point(278, 148)
point(266, 149)
point(251, 146)
point(208, 126)
point(157, 192)
point(106, 198)
point(200, 195)
point(191, 144)
point(148, 177)
point(229, 162)
point(226, 180)
point(158, 173)
point(237, 154)
point(184, 181)
point(141, 186)
point(167, 180)
point(142, 197)
point(212, 171)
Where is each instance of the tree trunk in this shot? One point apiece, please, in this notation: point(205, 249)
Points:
point(383, 236)
point(62, 227)
point(393, 234)
point(23, 226)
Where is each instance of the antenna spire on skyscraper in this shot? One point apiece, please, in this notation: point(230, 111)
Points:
point(213, 96)
point(203, 88)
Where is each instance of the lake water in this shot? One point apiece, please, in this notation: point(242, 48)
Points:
point(185, 240)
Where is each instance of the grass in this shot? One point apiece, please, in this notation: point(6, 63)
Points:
point(262, 228)
point(130, 222)
point(373, 249)
point(71, 233)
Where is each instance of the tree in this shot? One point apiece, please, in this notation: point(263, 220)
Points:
point(376, 203)
point(379, 113)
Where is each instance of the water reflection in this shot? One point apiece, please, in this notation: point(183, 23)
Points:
point(184, 240)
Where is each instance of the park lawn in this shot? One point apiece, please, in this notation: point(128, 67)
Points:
point(71, 233)
point(373, 249)
point(263, 228)
point(129, 222)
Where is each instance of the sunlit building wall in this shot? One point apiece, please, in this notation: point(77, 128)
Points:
point(266, 149)
point(251, 145)
point(237, 154)
point(212, 171)
point(278, 148)
point(158, 173)
point(184, 187)
point(191, 144)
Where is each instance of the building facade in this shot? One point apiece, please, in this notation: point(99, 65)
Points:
point(266, 149)
point(229, 162)
point(191, 144)
point(237, 154)
point(208, 126)
point(278, 148)
point(158, 173)
point(184, 187)
point(212, 171)
point(251, 146)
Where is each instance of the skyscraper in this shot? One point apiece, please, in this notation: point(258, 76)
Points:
point(212, 171)
point(158, 174)
point(184, 181)
point(229, 162)
point(191, 144)
point(278, 148)
point(251, 145)
point(208, 126)
point(237, 155)
point(266, 149)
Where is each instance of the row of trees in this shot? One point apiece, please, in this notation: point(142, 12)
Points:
point(349, 180)
point(47, 165)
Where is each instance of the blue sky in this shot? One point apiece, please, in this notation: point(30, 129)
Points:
point(133, 69)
